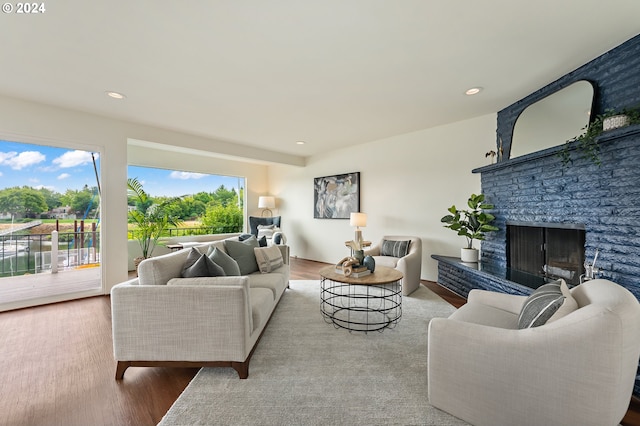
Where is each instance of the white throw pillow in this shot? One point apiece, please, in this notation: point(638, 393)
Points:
point(268, 258)
point(266, 231)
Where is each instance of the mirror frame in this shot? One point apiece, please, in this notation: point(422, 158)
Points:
point(553, 119)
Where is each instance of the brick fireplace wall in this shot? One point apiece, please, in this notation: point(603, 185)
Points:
point(606, 198)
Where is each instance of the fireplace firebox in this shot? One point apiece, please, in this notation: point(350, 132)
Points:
point(547, 250)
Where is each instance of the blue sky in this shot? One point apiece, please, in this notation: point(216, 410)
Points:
point(60, 169)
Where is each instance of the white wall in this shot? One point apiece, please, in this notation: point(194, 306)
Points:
point(408, 181)
point(407, 184)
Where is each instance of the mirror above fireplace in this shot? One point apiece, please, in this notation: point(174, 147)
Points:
point(553, 120)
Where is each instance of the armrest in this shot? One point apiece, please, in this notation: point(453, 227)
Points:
point(507, 302)
point(373, 251)
point(411, 265)
point(182, 322)
point(284, 249)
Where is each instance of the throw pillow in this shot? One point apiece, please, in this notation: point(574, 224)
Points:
point(540, 306)
point(242, 252)
point(266, 231)
point(278, 238)
point(225, 261)
point(199, 265)
point(268, 258)
point(569, 305)
point(394, 248)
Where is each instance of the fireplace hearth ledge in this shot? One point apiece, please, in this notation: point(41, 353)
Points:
point(461, 277)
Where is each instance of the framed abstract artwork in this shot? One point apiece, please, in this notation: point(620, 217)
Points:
point(335, 197)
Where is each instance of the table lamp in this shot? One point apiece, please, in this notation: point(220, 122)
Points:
point(267, 203)
point(358, 220)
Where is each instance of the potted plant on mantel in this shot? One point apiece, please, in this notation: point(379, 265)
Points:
point(587, 142)
point(472, 224)
point(151, 219)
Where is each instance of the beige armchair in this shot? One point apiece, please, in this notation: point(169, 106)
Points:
point(410, 265)
point(576, 370)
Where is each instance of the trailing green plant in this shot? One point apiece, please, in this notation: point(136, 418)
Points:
point(151, 219)
point(586, 143)
point(472, 223)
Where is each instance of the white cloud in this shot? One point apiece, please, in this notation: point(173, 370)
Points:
point(6, 156)
point(186, 175)
point(64, 176)
point(0, 173)
point(20, 161)
point(73, 159)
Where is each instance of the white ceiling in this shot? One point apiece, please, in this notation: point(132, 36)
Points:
point(268, 73)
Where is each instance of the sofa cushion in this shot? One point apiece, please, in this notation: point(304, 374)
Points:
point(199, 265)
point(479, 313)
point(268, 258)
point(228, 264)
point(540, 306)
point(388, 261)
point(242, 252)
point(394, 248)
point(275, 282)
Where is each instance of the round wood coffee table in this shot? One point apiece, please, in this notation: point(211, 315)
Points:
point(369, 303)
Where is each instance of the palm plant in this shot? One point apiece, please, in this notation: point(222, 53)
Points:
point(151, 219)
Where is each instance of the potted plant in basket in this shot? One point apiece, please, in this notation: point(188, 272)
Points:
point(150, 219)
point(472, 224)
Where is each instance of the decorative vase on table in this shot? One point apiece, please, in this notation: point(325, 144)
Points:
point(469, 255)
point(359, 254)
point(370, 263)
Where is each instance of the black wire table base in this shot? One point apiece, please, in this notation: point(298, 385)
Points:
point(371, 307)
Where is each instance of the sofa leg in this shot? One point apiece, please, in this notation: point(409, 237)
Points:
point(242, 368)
point(121, 368)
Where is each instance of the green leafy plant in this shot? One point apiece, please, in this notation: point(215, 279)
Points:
point(150, 219)
point(587, 144)
point(472, 223)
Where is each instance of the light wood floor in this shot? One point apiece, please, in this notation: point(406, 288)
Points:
point(57, 367)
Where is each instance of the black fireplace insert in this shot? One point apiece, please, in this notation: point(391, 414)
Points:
point(547, 250)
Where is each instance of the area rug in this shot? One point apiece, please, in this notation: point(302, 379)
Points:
point(307, 372)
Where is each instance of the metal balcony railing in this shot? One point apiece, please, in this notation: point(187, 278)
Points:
point(31, 254)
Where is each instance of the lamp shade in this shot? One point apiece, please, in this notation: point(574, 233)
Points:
point(358, 219)
point(266, 202)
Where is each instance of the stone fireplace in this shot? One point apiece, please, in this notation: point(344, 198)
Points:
point(591, 207)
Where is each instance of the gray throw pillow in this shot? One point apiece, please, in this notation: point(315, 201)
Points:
point(199, 265)
point(242, 252)
point(541, 305)
point(394, 248)
point(227, 263)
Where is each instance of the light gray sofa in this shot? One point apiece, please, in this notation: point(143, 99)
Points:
point(578, 369)
point(161, 319)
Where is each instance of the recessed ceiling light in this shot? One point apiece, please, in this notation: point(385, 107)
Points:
point(115, 95)
point(473, 91)
point(300, 142)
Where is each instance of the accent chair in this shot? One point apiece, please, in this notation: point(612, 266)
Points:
point(402, 253)
point(578, 369)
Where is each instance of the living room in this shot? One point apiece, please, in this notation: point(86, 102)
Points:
point(410, 175)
